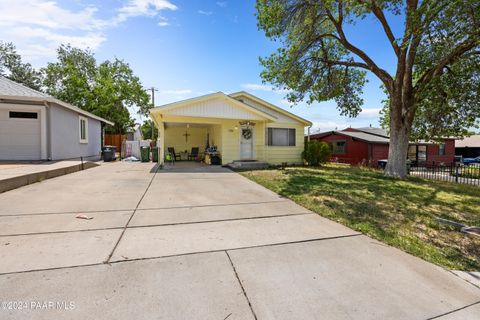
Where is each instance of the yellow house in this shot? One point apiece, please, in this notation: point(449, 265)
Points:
point(241, 126)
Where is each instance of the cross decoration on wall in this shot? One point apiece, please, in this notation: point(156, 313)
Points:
point(186, 134)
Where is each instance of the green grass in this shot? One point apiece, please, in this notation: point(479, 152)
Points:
point(399, 213)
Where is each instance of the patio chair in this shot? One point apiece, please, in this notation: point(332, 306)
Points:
point(169, 157)
point(175, 156)
point(194, 154)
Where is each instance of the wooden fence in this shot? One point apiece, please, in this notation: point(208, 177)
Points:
point(115, 140)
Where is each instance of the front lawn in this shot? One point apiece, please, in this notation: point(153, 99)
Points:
point(399, 213)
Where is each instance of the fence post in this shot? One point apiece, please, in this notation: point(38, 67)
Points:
point(456, 173)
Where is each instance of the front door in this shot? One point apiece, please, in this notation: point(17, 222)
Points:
point(246, 143)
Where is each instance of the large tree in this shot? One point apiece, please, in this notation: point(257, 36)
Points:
point(13, 68)
point(436, 59)
point(107, 89)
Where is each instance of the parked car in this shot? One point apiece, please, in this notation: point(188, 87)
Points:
point(471, 160)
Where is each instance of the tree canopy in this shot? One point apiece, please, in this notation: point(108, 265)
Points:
point(434, 89)
point(13, 68)
point(107, 89)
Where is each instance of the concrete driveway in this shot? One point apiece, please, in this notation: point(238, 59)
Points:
point(201, 243)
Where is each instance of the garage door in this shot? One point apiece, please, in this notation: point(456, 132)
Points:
point(19, 134)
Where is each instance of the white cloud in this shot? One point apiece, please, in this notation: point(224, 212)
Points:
point(262, 87)
point(177, 92)
point(38, 27)
point(327, 125)
point(163, 23)
point(370, 113)
point(206, 13)
point(149, 8)
point(222, 4)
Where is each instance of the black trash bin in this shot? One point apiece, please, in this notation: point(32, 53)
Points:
point(215, 161)
point(382, 164)
point(109, 153)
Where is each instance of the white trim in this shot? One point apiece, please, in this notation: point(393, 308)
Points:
point(20, 99)
point(80, 119)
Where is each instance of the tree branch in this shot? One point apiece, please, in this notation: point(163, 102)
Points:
point(437, 70)
point(378, 12)
point(372, 66)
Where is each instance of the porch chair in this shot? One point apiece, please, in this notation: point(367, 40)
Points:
point(194, 154)
point(169, 157)
point(175, 156)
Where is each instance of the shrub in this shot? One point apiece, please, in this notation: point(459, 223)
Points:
point(316, 152)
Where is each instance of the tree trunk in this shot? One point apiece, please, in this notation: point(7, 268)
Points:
point(400, 126)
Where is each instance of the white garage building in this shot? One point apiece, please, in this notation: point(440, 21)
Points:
point(36, 126)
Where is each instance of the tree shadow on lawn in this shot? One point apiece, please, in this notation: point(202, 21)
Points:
point(400, 213)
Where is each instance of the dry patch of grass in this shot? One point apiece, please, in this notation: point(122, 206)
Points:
point(399, 213)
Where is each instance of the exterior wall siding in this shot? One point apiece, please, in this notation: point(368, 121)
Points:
point(379, 152)
point(356, 151)
point(433, 155)
point(216, 108)
point(175, 137)
point(289, 154)
point(65, 139)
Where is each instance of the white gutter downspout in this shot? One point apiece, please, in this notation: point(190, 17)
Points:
point(308, 133)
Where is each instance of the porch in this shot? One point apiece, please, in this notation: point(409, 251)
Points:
point(212, 141)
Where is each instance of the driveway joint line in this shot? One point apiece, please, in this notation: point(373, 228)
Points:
point(65, 212)
point(130, 219)
point(241, 286)
point(157, 225)
point(454, 311)
point(57, 232)
point(184, 254)
point(223, 220)
point(238, 248)
point(214, 205)
point(469, 282)
point(140, 209)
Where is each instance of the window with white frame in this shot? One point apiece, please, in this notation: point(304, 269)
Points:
point(441, 149)
point(83, 129)
point(339, 146)
point(281, 137)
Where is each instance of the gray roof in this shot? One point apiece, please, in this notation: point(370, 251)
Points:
point(372, 130)
point(470, 142)
point(354, 134)
point(365, 136)
point(11, 90)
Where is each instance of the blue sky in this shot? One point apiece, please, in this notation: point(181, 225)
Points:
point(183, 48)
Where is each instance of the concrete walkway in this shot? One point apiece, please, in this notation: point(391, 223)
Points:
point(201, 243)
point(16, 174)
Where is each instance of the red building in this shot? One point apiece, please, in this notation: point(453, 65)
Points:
point(368, 145)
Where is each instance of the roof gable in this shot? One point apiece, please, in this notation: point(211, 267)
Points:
point(216, 105)
point(260, 104)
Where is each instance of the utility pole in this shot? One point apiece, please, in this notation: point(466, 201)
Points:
point(152, 89)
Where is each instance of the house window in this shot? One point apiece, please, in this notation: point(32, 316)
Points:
point(441, 149)
point(83, 129)
point(23, 115)
point(281, 137)
point(339, 147)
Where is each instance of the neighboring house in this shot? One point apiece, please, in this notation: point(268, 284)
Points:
point(368, 145)
point(36, 126)
point(468, 147)
point(135, 134)
point(240, 125)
